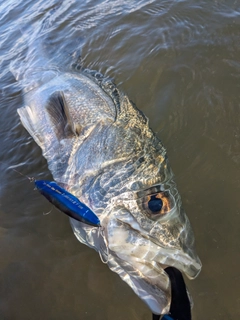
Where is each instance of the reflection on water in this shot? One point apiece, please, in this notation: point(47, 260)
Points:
point(179, 62)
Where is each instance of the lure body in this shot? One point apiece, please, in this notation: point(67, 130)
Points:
point(66, 202)
point(166, 317)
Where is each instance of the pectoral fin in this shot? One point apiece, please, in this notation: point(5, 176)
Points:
point(57, 108)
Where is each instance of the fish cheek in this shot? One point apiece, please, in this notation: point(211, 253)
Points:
point(166, 235)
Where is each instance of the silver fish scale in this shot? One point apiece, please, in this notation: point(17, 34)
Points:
point(109, 158)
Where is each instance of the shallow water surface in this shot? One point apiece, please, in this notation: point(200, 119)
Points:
point(179, 62)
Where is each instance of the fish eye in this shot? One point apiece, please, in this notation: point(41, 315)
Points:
point(155, 204)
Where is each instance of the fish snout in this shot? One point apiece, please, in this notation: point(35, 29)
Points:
point(176, 245)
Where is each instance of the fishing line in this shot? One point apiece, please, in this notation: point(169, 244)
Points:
point(31, 179)
point(65, 201)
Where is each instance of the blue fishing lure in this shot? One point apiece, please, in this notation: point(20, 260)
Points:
point(166, 317)
point(66, 202)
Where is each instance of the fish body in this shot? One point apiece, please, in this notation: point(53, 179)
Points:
point(99, 147)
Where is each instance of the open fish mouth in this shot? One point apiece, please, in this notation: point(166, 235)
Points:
point(150, 249)
point(140, 260)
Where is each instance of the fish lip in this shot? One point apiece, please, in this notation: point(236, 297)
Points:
point(189, 265)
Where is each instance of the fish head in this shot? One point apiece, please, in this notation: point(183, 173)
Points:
point(146, 231)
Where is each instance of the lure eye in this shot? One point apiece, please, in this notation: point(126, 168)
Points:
point(155, 204)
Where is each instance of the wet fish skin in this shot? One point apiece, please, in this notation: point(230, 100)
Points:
point(100, 148)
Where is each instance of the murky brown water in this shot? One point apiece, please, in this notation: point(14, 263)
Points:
point(179, 62)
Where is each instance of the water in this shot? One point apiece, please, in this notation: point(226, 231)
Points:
point(179, 62)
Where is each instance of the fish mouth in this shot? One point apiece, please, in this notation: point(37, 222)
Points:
point(140, 243)
point(140, 255)
point(140, 260)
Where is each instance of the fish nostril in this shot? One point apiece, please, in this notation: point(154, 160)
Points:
point(155, 204)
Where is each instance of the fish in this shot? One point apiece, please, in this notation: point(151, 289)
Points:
point(100, 148)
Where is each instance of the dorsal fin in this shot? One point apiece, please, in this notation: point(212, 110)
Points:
point(77, 65)
point(60, 116)
point(107, 85)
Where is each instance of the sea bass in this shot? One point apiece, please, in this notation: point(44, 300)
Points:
point(99, 147)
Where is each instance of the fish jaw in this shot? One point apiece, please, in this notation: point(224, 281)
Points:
point(126, 237)
point(147, 279)
point(140, 259)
